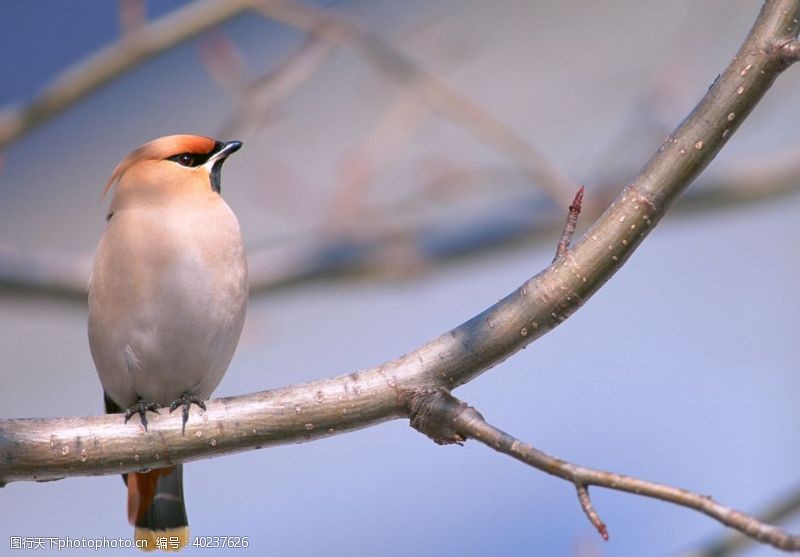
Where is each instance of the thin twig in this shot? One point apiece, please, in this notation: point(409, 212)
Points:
point(446, 413)
point(569, 225)
point(589, 510)
point(732, 543)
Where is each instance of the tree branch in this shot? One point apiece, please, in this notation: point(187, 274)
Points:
point(732, 543)
point(48, 274)
point(136, 45)
point(443, 412)
point(41, 449)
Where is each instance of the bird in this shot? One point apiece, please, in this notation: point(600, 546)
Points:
point(167, 303)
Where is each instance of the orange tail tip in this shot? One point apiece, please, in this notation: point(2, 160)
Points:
point(173, 539)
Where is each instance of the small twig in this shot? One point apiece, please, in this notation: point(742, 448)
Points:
point(569, 225)
point(591, 513)
point(445, 413)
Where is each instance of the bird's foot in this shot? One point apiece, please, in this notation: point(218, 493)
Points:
point(186, 400)
point(141, 408)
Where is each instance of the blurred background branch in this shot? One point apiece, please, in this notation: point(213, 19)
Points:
point(138, 43)
point(354, 237)
point(503, 223)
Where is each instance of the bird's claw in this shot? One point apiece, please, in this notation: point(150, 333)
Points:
point(141, 409)
point(186, 400)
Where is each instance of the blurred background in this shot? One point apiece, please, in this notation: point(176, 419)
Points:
point(407, 164)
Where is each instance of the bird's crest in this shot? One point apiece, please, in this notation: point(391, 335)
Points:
point(160, 149)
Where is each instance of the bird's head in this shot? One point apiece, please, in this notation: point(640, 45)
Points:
point(175, 165)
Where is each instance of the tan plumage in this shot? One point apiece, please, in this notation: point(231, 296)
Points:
point(168, 293)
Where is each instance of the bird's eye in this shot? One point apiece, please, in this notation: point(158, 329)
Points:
point(186, 159)
point(190, 159)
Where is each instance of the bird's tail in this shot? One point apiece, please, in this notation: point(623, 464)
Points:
point(157, 510)
point(155, 504)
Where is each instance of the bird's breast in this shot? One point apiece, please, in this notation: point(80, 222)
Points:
point(170, 286)
point(168, 251)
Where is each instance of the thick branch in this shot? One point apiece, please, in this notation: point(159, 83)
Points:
point(443, 411)
point(56, 447)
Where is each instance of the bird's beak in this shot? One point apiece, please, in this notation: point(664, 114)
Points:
point(214, 163)
point(225, 151)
